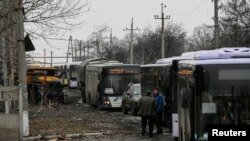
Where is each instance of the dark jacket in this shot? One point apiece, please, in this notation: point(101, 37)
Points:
point(146, 106)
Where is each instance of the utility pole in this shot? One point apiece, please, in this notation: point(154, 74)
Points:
point(88, 49)
point(162, 18)
point(131, 40)
point(84, 51)
point(3, 45)
point(216, 24)
point(80, 49)
point(4, 61)
point(75, 50)
point(44, 59)
point(110, 39)
point(70, 49)
point(110, 42)
point(51, 59)
point(97, 42)
point(23, 96)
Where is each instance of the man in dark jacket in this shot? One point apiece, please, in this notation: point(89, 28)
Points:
point(146, 111)
point(159, 110)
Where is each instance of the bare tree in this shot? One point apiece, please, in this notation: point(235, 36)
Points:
point(201, 39)
point(49, 17)
point(148, 49)
point(97, 40)
point(235, 23)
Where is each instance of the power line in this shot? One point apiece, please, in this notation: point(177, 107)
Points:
point(189, 12)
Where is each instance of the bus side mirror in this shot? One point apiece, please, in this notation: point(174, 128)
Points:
point(186, 98)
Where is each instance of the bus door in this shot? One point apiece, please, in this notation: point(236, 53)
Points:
point(186, 107)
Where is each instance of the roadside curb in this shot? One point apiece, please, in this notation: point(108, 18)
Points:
point(64, 137)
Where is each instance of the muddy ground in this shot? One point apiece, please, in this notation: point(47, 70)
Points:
point(77, 118)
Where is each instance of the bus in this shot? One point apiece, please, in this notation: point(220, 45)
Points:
point(68, 73)
point(103, 82)
point(213, 88)
point(162, 75)
point(42, 83)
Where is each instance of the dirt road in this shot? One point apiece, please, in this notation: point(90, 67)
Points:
point(81, 121)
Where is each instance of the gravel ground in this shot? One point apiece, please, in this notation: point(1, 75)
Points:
point(77, 119)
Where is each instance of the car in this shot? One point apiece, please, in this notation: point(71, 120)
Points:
point(130, 99)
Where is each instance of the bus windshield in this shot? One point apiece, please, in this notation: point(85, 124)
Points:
point(120, 81)
point(225, 96)
point(154, 77)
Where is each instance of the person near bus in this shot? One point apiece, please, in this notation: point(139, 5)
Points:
point(159, 101)
point(147, 112)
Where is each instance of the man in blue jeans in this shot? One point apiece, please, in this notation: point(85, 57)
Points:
point(159, 110)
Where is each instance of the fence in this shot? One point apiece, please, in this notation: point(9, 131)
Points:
point(9, 114)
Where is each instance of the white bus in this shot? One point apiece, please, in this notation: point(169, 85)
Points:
point(68, 73)
point(162, 75)
point(213, 89)
point(103, 82)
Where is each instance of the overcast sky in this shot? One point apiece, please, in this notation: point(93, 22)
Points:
point(118, 13)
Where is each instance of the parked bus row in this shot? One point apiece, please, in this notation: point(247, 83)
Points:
point(199, 88)
point(202, 88)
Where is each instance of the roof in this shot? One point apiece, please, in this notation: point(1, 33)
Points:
point(39, 67)
point(96, 61)
point(222, 53)
point(154, 65)
point(236, 55)
point(217, 61)
point(113, 65)
point(171, 59)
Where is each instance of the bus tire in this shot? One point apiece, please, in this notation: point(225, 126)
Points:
point(124, 110)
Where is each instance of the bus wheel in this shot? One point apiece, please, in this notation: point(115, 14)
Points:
point(124, 110)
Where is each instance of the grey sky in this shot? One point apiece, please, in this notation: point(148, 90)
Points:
point(118, 13)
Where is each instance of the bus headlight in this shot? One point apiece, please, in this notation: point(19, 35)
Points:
point(106, 102)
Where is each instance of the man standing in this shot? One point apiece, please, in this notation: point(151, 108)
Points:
point(147, 111)
point(159, 110)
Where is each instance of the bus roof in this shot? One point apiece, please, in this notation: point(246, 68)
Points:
point(98, 61)
point(217, 61)
point(171, 59)
point(154, 65)
point(222, 53)
point(237, 55)
point(113, 65)
point(35, 67)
